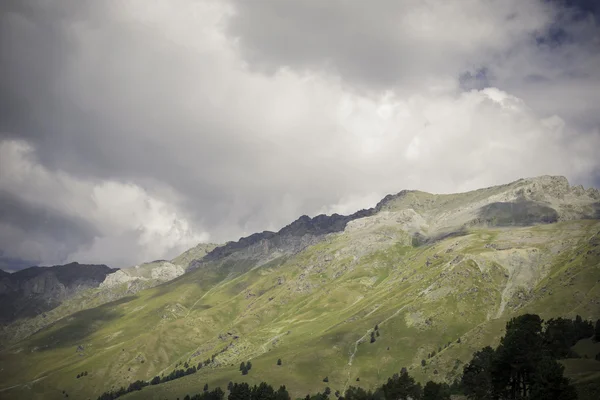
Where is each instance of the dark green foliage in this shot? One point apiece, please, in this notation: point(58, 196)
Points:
point(279, 361)
point(230, 386)
point(548, 382)
point(282, 394)
point(337, 393)
point(242, 365)
point(155, 380)
point(436, 391)
point(372, 337)
point(186, 365)
point(403, 370)
point(187, 397)
point(401, 387)
point(423, 363)
point(248, 365)
point(597, 331)
point(77, 376)
point(377, 333)
point(524, 365)
point(263, 392)
point(458, 341)
point(377, 327)
point(327, 391)
point(357, 379)
point(239, 391)
point(433, 353)
point(477, 375)
point(326, 379)
point(205, 387)
point(357, 393)
point(245, 371)
point(559, 336)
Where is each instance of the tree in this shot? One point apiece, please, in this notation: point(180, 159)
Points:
point(245, 371)
point(356, 393)
point(239, 391)
point(155, 380)
point(423, 363)
point(372, 337)
point(477, 375)
point(206, 387)
point(436, 391)
point(401, 386)
point(282, 394)
point(597, 331)
point(458, 341)
point(377, 333)
point(248, 365)
point(187, 397)
point(326, 379)
point(327, 391)
point(377, 327)
point(516, 357)
point(559, 336)
point(263, 392)
point(548, 382)
point(279, 361)
point(242, 366)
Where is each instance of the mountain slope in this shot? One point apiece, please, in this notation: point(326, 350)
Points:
point(34, 290)
point(119, 283)
point(427, 269)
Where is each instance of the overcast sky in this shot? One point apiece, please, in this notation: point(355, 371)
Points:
point(132, 130)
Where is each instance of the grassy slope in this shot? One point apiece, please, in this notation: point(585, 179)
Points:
point(313, 309)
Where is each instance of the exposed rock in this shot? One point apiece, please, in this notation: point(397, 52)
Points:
point(35, 290)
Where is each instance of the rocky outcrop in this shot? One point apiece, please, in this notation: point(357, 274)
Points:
point(151, 274)
point(34, 290)
point(291, 239)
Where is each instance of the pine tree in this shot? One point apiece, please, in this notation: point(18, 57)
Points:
point(597, 331)
point(242, 366)
point(326, 379)
point(245, 371)
point(206, 387)
point(279, 361)
point(372, 337)
point(423, 363)
point(248, 365)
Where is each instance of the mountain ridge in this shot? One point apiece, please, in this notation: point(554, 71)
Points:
point(312, 300)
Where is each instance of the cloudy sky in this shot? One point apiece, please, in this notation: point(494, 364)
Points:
point(132, 130)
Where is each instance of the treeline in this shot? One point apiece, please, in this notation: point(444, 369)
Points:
point(523, 366)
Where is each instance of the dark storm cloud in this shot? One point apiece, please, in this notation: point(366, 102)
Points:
point(159, 123)
point(58, 234)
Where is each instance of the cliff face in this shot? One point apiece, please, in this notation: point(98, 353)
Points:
point(35, 290)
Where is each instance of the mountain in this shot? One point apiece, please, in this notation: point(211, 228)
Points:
point(113, 286)
point(435, 273)
point(34, 290)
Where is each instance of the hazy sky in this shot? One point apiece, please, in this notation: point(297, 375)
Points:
point(132, 130)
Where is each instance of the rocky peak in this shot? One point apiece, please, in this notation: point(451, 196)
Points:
point(37, 289)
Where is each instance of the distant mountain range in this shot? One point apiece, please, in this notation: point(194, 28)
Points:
point(438, 275)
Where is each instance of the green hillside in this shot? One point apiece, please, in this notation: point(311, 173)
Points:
point(422, 268)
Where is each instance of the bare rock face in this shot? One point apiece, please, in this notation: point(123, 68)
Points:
point(37, 289)
point(151, 274)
